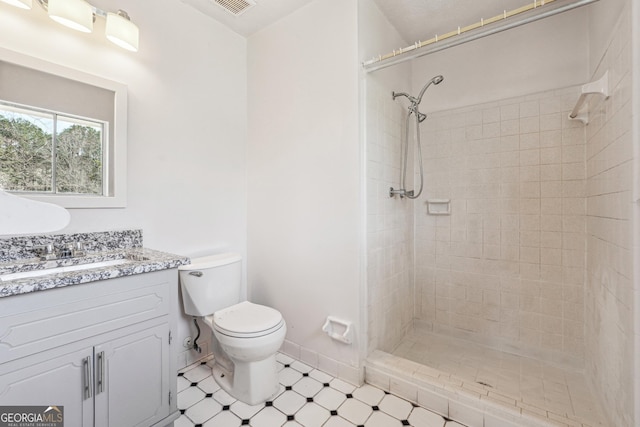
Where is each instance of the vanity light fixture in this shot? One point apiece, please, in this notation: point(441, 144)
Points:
point(22, 4)
point(75, 14)
point(121, 31)
point(80, 15)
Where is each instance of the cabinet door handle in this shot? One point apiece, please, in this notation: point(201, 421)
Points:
point(100, 372)
point(86, 363)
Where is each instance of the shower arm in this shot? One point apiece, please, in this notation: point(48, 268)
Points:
point(415, 101)
point(413, 108)
point(406, 95)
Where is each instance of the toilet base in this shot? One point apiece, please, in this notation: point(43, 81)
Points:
point(251, 383)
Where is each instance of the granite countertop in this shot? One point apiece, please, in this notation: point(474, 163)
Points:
point(134, 261)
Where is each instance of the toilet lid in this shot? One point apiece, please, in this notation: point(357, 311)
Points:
point(247, 319)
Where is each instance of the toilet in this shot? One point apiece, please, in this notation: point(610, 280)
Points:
point(247, 335)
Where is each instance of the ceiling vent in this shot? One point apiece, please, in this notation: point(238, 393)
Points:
point(235, 7)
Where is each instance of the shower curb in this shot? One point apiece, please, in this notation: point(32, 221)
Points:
point(468, 403)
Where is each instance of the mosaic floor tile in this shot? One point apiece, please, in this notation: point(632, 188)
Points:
point(307, 398)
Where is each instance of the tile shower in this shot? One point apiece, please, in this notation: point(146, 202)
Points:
point(537, 249)
point(506, 266)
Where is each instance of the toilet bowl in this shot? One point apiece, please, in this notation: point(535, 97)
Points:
point(247, 336)
point(250, 342)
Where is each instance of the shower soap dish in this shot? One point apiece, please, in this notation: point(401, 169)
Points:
point(339, 330)
point(439, 206)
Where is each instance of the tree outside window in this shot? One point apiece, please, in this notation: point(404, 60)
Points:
point(46, 152)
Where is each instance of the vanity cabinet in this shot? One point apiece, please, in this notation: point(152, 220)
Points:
point(49, 383)
point(102, 350)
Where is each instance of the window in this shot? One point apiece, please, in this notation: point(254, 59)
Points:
point(63, 134)
point(47, 152)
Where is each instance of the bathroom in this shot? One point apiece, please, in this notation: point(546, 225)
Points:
point(214, 167)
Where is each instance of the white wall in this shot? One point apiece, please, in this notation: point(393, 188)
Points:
point(603, 16)
point(612, 158)
point(304, 186)
point(187, 120)
point(390, 272)
point(548, 54)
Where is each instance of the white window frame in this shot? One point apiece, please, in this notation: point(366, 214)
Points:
point(116, 169)
point(55, 116)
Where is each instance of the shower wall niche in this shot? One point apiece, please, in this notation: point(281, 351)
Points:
point(507, 267)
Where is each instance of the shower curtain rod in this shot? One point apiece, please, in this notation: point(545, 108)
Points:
point(539, 9)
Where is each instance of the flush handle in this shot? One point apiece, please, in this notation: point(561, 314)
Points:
point(195, 273)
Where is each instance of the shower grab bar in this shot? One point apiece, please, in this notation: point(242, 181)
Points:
point(598, 87)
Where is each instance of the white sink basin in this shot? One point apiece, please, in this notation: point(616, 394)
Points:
point(57, 270)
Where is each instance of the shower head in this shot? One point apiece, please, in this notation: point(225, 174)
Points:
point(436, 81)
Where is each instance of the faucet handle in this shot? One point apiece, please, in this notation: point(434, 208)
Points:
point(46, 251)
point(74, 246)
point(72, 250)
point(78, 249)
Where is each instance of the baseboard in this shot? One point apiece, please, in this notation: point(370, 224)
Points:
point(335, 368)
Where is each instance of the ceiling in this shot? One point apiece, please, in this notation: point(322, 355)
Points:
point(414, 19)
point(255, 18)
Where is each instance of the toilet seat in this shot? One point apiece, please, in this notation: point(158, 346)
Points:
point(247, 320)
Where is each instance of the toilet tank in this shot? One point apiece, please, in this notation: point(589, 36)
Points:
point(211, 283)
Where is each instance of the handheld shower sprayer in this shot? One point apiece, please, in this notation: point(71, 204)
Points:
point(436, 81)
point(420, 117)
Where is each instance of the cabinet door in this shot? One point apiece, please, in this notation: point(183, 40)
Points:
point(61, 381)
point(132, 379)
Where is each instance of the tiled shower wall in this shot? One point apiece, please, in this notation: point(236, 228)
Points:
point(609, 289)
point(389, 223)
point(506, 268)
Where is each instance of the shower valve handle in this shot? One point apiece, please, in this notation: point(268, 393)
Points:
point(400, 192)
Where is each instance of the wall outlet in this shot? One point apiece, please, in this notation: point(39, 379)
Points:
point(187, 342)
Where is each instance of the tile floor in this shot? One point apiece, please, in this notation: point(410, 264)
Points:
point(307, 397)
point(534, 384)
